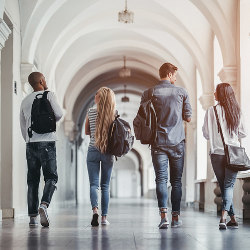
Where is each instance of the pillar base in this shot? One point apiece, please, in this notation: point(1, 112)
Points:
point(246, 214)
point(8, 213)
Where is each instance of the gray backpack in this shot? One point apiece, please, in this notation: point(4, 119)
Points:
point(145, 122)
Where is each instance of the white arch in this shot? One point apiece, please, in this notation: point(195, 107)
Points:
point(35, 27)
point(191, 46)
point(186, 39)
point(72, 96)
point(212, 11)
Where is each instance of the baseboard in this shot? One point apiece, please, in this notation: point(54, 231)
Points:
point(8, 213)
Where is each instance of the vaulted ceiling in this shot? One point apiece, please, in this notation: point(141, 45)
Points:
point(79, 45)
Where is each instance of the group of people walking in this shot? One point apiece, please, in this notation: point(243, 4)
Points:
point(172, 107)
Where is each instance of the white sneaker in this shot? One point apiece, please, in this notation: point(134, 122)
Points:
point(105, 223)
point(222, 224)
point(44, 219)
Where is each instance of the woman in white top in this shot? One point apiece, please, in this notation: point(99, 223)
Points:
point(98, 121)
point(230, 119)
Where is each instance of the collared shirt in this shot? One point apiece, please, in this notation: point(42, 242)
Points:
point(210, 131)
point(25, 117)
point(172, 106)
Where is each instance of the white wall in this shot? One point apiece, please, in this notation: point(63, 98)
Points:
point(17, 187)
point(245, 62)
point(127, 178)
point(82, 174)
point(2, 3)
point(17, 198)
point(66, 167)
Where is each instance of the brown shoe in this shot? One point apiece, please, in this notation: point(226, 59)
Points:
point(233, 225)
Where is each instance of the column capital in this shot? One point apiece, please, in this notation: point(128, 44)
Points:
point(207, 100)
point(26, 69)
point(4, 33)
point(228, 74)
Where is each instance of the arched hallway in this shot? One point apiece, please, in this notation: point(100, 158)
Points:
point(80, 47)
point(133, 226)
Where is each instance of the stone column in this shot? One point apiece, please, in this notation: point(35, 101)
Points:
point(207, 187)
point(229, 74)
point(190, 160)
point(4, 34)
point(246, 198)
point(69, 129)
point(207, 100)
point(26, 69)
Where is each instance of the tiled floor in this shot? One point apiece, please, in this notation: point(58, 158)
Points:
point(133, 226)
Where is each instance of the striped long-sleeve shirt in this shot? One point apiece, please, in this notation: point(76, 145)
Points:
point(92, 114)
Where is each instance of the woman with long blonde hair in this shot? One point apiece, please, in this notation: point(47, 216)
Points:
point(98, 121)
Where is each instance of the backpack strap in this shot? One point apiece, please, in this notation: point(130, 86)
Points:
point(150, 93)
point(219, 128)
point(45, 94)
point(38, 95)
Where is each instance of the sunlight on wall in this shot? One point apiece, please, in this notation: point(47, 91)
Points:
point(201, 142)
point(218, 61)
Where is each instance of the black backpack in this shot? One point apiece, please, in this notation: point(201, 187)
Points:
point(145, 121)
point(120, 138)
point(42, 116)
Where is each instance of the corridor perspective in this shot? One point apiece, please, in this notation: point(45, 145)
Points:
point(82, 45)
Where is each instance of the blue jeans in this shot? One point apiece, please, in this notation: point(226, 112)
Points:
point(160, 157)
point(96, 161)
point(40, 154)
point(226, 179)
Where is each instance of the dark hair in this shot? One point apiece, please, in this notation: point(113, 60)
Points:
point(227, 100)
point(34, 78)
point(167, 68)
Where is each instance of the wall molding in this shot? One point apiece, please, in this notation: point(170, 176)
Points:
point(4, 33)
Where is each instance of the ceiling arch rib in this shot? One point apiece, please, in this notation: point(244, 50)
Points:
point(79, 86)
point(129, 108)
point(46, 10)
point(35, 26)
point(136, 84)
point(190, 45)
point(98, 67)
point(154, 18)
point(213, 13)
point(132, 46)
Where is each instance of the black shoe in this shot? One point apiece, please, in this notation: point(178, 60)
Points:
point(222, 224)
point(33, 221)
point(233, 225)
point(94, 221)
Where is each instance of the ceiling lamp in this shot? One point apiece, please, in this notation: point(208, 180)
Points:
point(126, 16)
point(124, 72)
point(125, 98)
